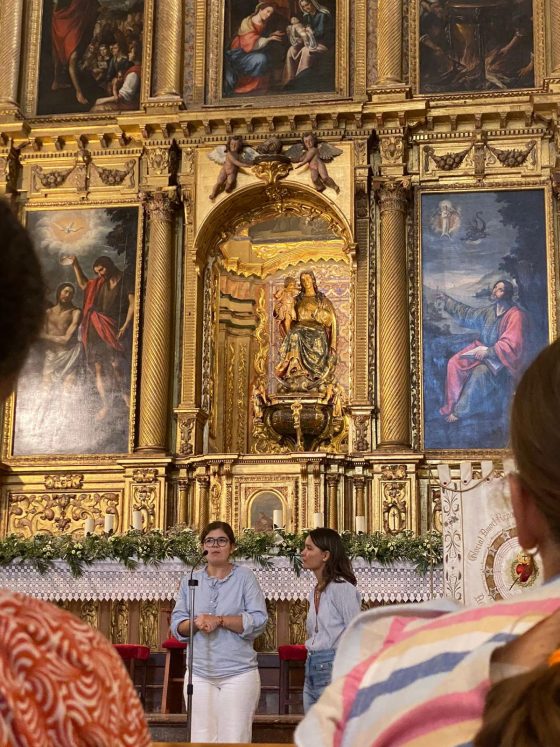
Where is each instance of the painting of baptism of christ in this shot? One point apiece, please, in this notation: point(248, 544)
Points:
point(73, 396)
point(286, 46)
point(475, 45)
point(90, 56)
point(484, 310)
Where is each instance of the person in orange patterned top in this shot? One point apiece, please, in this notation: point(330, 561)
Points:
point(61, 683)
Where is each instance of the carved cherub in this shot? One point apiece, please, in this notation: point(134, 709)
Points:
point(260, 399)
point(311, 152)
point(285, 304)
point(232, 156)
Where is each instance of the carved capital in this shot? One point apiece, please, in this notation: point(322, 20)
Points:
point(393, 195)
point(160, 206)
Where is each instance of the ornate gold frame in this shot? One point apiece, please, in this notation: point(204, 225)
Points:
point(552, 284)
point(214, 61)
point(31, 52)
point(414, 58)
point(10, 405)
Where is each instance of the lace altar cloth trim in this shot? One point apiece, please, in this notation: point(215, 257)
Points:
point(108, 580)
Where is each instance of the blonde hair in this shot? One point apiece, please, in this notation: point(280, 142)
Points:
point(535, 433)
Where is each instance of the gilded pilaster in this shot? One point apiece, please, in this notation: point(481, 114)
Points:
point(389, 42)
point(11, 18)
point(332, 492)
point(203, 500)
point(168, 46)
point(156, 349)
point(555, 37)
point(394, 346)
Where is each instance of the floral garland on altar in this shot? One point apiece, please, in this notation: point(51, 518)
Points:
point(152, 547)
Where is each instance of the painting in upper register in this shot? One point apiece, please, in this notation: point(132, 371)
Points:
point(73, 396)
point(484, 310)
point(286, 46)
point(475, 45)
point(91, 56)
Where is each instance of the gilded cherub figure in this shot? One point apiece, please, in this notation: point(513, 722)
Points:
point(260, 399)
point(232, 156)
point(315, 154)
point(285, 304)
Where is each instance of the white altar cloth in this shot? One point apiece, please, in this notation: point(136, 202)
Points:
point(110, 580)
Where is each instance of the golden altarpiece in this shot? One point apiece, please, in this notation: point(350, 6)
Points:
point(278, 238)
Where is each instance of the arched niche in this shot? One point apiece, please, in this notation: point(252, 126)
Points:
point(259, 511)
point(248, 247)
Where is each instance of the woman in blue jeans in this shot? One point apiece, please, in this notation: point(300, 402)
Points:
point(333, 603)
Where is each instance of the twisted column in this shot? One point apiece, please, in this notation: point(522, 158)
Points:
point(389, 42)
point(555, 37)
point(203, 497)
point(168, 47)
point(11, 18)
point(158, 313)
point(394, 345)
point(332, 494)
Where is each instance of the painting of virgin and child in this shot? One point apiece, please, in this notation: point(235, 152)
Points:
point(484, 310)
point(280, 46)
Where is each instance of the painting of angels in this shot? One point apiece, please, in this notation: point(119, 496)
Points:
point(73, 396)
point(276, 47)
point(90, 56)
point(484, 310)
point(475, 45)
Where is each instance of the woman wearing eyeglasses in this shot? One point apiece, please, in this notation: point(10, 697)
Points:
point(230, 612)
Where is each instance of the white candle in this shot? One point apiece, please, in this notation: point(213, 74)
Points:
point(361, 524)
point(278, 517)
point(89, 526)
point(318, 519)
point(108, 523)
point(137, 520)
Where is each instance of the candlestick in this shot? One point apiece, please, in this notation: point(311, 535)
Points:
point(108, 523)
point(89, 526)
point(361, 524)
point(318, 519)
point(278, 518)
point(137, 520)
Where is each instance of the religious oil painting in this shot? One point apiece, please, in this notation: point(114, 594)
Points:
point(280, 47)
point(90, 56)
point(484, 310)
point(475, 45)
point(74, 393)
point(263, 506)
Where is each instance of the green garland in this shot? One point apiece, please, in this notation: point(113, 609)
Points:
point(181, 542)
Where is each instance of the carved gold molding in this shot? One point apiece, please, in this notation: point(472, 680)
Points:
point(11, 22)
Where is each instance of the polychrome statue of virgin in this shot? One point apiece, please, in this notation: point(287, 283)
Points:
point(308, 350)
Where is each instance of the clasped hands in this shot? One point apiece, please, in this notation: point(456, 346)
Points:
point(206, 623)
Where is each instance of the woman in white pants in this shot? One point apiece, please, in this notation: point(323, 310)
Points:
point(230, 612)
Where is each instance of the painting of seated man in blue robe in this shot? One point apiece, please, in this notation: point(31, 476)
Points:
point(484, 310)
point(278, 47)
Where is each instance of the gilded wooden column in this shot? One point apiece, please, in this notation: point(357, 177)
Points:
point(158, 314)
point(11, 18)
point(332, 494)
point(359, 487)
point(182, 502)
point(203, 498)
point(389, 42)
point(394, 345)
point(168, 47)
point(555, 37)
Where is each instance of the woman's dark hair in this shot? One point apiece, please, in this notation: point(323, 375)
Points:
point(523, 711)
point(535, 436)
point(223, 525)
point(338, 567)
point(22, 293)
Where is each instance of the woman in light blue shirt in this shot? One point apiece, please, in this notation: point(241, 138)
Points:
point(230, 612)
point(333, 603)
